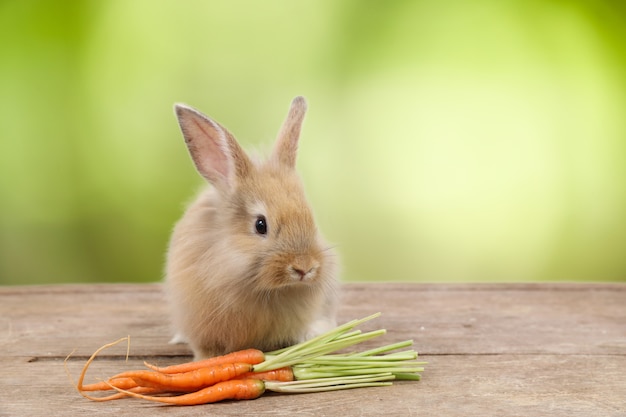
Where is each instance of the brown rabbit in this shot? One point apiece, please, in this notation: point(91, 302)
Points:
point(246, 265)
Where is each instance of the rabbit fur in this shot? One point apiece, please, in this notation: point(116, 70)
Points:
point(229, 285)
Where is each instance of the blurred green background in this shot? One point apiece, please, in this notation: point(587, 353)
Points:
point(460, 140)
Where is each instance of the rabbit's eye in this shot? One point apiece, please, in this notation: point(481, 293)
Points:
point(261, 225)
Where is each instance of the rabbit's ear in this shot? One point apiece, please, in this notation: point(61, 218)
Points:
point(215, 152)
point(286, 146)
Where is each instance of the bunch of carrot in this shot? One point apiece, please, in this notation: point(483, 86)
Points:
point(310, 366)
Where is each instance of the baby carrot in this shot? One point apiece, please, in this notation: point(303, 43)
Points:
point(234, 389)
point(118, 395)
point(281, 374)
point(251, 356)
point(124, 383)
point(192, 380)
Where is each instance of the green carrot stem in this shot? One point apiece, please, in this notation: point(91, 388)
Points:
point(337, 337)
point(305, 374)
point(349, 334)
point(400, 376)
point(314, 360)
point(387, 348)
point(336, 345)
point(362, 364)
point(377, 376)
point(273, 387)
point(331, 384)
point(291, 357)
point(338, 358)
point(330, 335)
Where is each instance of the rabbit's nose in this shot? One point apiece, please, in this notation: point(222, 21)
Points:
point(303, 269)
point(299, 272)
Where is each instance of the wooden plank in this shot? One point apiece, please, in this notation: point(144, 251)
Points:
point(509, 350)
point(463, 385)
point(51, 321)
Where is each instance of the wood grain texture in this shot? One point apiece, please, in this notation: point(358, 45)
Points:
point(507, 350)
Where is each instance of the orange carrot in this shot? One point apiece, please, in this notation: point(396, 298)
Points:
point(123, 383)
point(189, 381)
point(251, 356)
point(281, 374)
point(234, 389)
point(118, 395)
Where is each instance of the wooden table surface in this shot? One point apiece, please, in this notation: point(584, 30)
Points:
point(492, 350)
